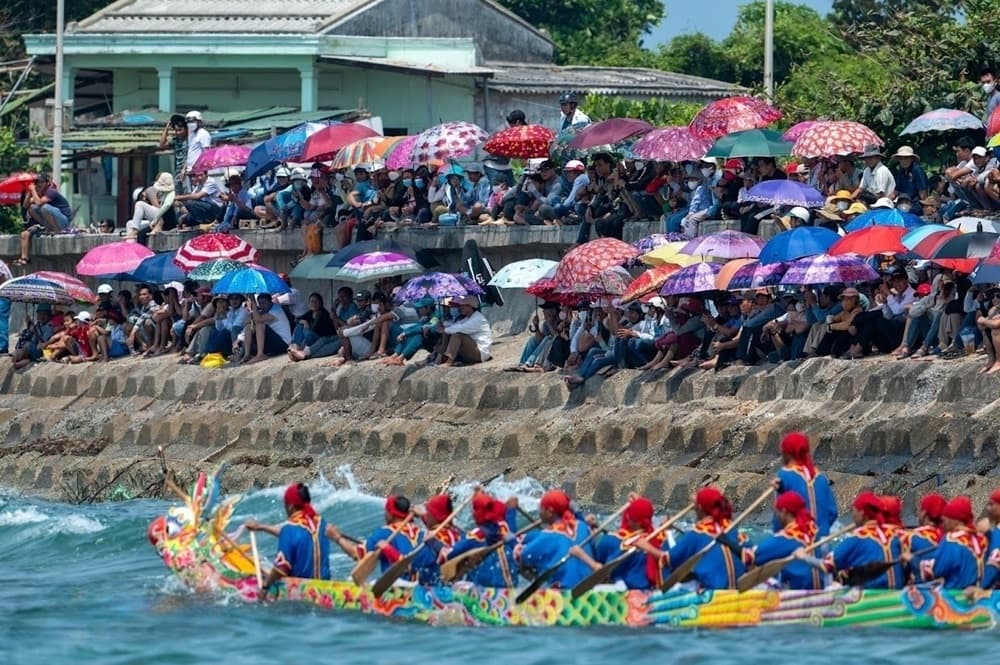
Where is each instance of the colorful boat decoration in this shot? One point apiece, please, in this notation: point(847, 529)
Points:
point(193, 543)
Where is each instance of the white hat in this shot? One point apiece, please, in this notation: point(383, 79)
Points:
point(193, 115)
point(709, 160)
point(658, 301)
point(298, 174)
point(393, 176)
point(800, 212)
point(176, 286)
point(83, 317)
point(979, 151)
point(884, 202)
point(104, 288)
point(574, 165)
point(906, 151)
point(281, 172)
point(164, 182)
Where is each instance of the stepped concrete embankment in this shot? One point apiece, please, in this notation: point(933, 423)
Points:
point(81, 432)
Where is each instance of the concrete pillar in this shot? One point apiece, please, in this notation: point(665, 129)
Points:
point(68, 86)
point(309, 89)
point(167, 88)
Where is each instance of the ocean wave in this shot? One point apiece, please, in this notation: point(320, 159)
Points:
point(22, 516)
point(74, 523)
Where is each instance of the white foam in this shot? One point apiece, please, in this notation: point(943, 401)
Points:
point(21, 516)
point(75, 524)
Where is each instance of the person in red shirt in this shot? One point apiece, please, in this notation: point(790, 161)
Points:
point(79, 330)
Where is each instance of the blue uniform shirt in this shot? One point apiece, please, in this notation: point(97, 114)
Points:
point(720, 567)
point(958, 560)
point(797, 574)
point(869, 543)
point(631, 571)
point(303, 549)
point(427, 561)
point(817, 493)
point(489, 573)
point(404, 542)
point(991, 572)
point(543, 549)
point(920, 541)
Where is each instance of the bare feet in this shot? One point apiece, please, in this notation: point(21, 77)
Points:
point(255, 359)
point(994, 369)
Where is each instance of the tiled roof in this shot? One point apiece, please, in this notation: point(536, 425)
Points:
point(552, 79)
point(218, 16)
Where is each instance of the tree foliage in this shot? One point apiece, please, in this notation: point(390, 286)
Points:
point(697, 54)
point(654, 111)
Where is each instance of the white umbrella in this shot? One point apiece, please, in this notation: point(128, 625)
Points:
point(522, 274)
point(974, 224)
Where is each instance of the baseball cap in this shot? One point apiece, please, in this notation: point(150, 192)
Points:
point(800, 212)
point(83, 317)
point(192, 115)
point(574, 165)
point(362, 295)
point(104, 288)
point(979, 151)
point(281, 172)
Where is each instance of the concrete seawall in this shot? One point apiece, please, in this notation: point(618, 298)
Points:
point(75, 432)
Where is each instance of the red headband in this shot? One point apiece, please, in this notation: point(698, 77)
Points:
point(487, 509)
point(892, 506)
point(713, 503)
point(796, 446)
point(639, 514)
point(995, 497)
point(960, 509)
point(933, 505)
point(438, 507)
point(295, 499)
point(870, 506)
point(557, 502)
point(393, 509)
point(792, 502)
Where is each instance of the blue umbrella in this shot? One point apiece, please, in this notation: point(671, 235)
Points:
point(786, 193)
point(281, 148)
point(252, 281)
point(796, 244)
point(884, 217)
point(987, 272)
point(913, 238)
point(157, 269)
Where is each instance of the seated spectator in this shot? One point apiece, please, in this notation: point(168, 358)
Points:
point(917, 325)
point(355, 337)
point(106, 335)
point(686, 335)
point(575, 182)
point(232, 326)
point(267, 332)
point(478, 192)
point(818, 308)
point(789, 331)
point(543, 192)
point(238, 206)
point(283, 207)
point(883, 324)
point(703, 198)
point(754, 345)
point(310, 326)
point(203, 205)
point(722, 337)
point(636, 342)
point(989, 324)
point(601, 357)
point(30, 342)
point(154, 209)
point(582, 333)
point(840, 330)
point(467, 340)
point(910, 178)
point(140, 320)
point(48, 212)
point(203, 334)
point(421, 334)
point(543, 334)
point(265, 196)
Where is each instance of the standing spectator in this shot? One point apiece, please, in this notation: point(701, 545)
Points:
point(178, 144)
point(989, 81)
point(198, 140)
point(154, 210)
point(569, 114)
point(48, 212)
point(910, 179)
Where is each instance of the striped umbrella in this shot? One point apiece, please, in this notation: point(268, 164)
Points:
point(375, 265)
point(216, 269)
point(210, 246)
point(112, 259)
point(31, 289)
point(77, 290)
point(5, 272)
point(365, 151)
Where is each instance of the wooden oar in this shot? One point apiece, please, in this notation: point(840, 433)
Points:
point(369, 561)
point(256, 562)
point(546, 575)
point(603, 574)
point(858, 575)
point(400, 567)
point(452, 569)
point(682, 571)
point(768, 570)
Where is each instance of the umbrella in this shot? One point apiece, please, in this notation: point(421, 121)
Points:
point(285, 147)
point(12, 187)
point(942, 120)
point(521, 142)
point(34, 290)
point(400, 155)
point(341, 257)
point(252, 281)
point(913, 237)
point(670, 253)
point(870, 241)
point(447, 141)
point(157, 269)
point(5, 272)
point(610, 131)
point(365, 151)
point(884, 217)
point(374, 265)
point(786, 193)
point(210, 246)
point(216, 269)
point(315, 266)
point(976, 245)
point(797, 243)
point(222, 156)
point(733, 114)
point(470, 285)
point(825, 269)
point(650, 281)
point(750, 143)
point(113, 259)
point(986, 272)
point(697, 278)
point(522, 274)
point(798, 129)
point(833, 138)
point(756, 275)
point(324, 144)
point(651, 242)
point(77, 290)
point(671, 144)
point(724, 245)
point(728, 270)
point(974, 224)
point(927, 247)
point(993, 124)
point(612, 282)
point(591, 258)
point(437, 285)
point(545, 288)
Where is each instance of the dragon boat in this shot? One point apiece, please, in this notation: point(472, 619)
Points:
point(191, 539)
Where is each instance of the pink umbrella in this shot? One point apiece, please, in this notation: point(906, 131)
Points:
point(724, 245)
point(375, 265)
point(222, 156)
point(671, 144)
point(697, 278)
point(327, 142)
point(834, 138)
point(610, 131)
point(77, 290)
point(401, 154)
point(798, 129)
point(447, 141)
point(113, 259)
point(733, 114)
point(210, 246)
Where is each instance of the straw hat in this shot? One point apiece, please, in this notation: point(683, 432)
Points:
point(841, 195)
point(856, 209)
point(830, 212)
point(164, 183)
point(906, 151)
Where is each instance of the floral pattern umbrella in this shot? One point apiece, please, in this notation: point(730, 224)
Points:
point(437, 285)
point(365, 151)
point(826, 269)
point(374, 265)
point(610, 131)
point(447, 141)
point(728, 270)
point(733, 114)
point(786, 193)
point(671, 144)
point(698, 278)
point(210, 246)
point(942, 120)
point(611, 282)
point(588, 260)
point(798, 129)
point(216, 269)
point(756, 275)
point(77, 290)
point(220, 157)
point(521, 142)
point(522, 274)
point(32, 289)
point(870, 241)
point(724, 245)
point(470, 285)
point(112, 259)
point(5, 272)
point(651, 242)
point(834, 138)
point(400, 156)
point(648, 282)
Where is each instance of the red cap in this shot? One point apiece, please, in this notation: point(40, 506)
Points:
point(733, 164)
point(923, 289)
point(796, 446)
point(297, 497)
point(892, 507)
point(792, 502)
point(487, 509)
point(791, 168)
point(932, 505)
point(639, 515)
point(393, 509)
point(713, 503)
point(438, 507)
point(960, 509)
point(870, 505)
point(556, 501)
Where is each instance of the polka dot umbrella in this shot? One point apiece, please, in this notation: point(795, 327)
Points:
point(447, 141)
point(833, 138)
point(733, 114)
point(520, 142)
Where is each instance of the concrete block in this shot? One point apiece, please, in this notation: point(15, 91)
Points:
point(510, 447)
point(192, 392)
point(461, 449)
point(23, 385)
point(147, 387)
point(71, 387)
point(263, 388)
point(286, 392)
point(421, 448)
point(55, 388)
point(228, 389)
point(112, 387)
point(40, 387)
point(168, 392)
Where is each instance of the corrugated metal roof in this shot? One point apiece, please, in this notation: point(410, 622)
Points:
point(224, 16)
point(552, 79)
point(439, 68)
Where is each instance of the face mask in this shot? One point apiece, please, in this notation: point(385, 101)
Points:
point(192, 127)
point(407, 182)
point(707, 172)
point(497, 189)
point(688, 169)
point(988, 88)
point(374, 308)
point(691, 185)
point(904, 207)
point(843, 205)
point(298, 185)
point(800, 307)
point(419, 182)
point(338, 177)
point(454, 312)
point(562, 316)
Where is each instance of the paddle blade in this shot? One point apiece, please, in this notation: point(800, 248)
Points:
point(599, 576)
point(683, 571)
point(762, 573)
point(457, 568)
point(364, 568)
point(396, 571)
point(536, 584)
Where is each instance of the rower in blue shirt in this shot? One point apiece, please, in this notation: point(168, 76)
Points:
point(871, 542)
point(798, 529)
point(799, 475)
point(563, 529)
point(637, 524)
point(495, 521)
point(921, 541)
point(959, 558)
point(394, 540)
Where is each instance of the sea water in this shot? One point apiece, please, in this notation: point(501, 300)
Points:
point(81, 585)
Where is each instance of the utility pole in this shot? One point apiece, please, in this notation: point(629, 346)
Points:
point(57, 121)
point(768, 49)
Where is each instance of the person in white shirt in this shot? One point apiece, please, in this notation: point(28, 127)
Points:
point(469, 338)
point(293, 299)
point(877, 180)
point(884, 323)
point(267, 333)
point(198, 140)
point(569, 114)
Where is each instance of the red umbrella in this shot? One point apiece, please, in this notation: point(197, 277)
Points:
point(612, 130)
point(927, 247)
point(649, 282)
point(733, 114)
point(12, 187)
point(210, 246)
point(834, 138)
point(958, 265)
point(324, 144)
point(585, 261)
point(520, 142)
point(871, 240)
point(545, 288)
point(77, 290)
point(993, 123)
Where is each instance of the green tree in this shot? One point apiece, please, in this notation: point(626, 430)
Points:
point(697, 54)
point(654, 111)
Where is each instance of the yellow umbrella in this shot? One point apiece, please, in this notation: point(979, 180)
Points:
point(671, 253)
